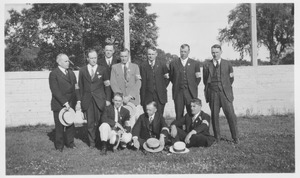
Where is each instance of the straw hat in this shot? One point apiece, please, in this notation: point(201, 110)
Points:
point(131, 108)
point(126, 137)
point(66, 117)
point(152, 145)
point(179, 147)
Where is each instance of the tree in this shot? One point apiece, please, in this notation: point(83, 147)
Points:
point(275, 29)
point(74, 28)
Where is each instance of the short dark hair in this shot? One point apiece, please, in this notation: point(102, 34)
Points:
point(185, 45)
point(197, 101)
point(118, 94)
point(152, 103)
point(152, 48)
point(109, 45)
point(91, 51)
point(125, 50)
point(216, 46)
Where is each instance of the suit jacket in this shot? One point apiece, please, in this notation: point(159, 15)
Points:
point(201, 123)
point(62, 88)
point(132, 87)
point(109, 116)
point(102, 62)
point(227, 78)
point(141, 128)
point(94, 89)
point(161, 83)
point(175, 77)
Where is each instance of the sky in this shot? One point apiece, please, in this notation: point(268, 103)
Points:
point(196, 24)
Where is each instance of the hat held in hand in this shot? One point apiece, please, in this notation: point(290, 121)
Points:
point(153, 145)
point(179, 147)
point(66, 117)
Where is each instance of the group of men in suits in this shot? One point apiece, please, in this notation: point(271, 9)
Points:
point(103, 89)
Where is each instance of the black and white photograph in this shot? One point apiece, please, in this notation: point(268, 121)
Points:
point(149, 88)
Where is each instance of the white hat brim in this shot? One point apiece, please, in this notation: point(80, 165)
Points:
point(61, 113)
point(160, 148)
point(131, 108)
point(171, 149)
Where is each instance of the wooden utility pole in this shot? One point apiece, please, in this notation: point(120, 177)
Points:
point(126, 27)
point(253, 35)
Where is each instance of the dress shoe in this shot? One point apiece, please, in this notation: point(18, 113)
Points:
point(92, 147)
point(104, 148)
point(72, 146)
point(236, 141)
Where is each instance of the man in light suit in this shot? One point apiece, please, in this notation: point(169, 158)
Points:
point(185, 77)
point(197, 127)
point(155, 80)
point(114, 119)
point(63, 84)
point(126, 79)
point(95, 94)
point(151, 124)
point(218, 78)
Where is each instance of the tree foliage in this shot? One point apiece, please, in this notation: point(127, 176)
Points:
point(74, 28)
point(275, 29)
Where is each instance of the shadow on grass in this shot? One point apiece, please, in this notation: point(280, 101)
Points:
point(80, 133)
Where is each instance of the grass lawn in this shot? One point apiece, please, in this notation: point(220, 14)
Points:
point(267, 145)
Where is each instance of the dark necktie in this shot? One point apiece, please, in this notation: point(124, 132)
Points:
point(125, 72)
point(66, 72)
point(217, 65)
point(152, 64)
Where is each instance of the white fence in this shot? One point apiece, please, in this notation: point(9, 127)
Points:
point(262, 90)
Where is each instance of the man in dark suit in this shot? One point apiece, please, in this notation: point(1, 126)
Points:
point(155, 79)
point(185, 77)
point(108, 59)
point(150, 125)
point(197, 127)
point(114, 119)
point(218, 78)
point(95, 94)
point(62, 83)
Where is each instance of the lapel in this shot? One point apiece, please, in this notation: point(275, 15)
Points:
point(211, 67)
point(62, 75)
point(197, 120)
point(188, 64)
point(86, 74)
point(147, 122)
point(179, 64)
point(221, 66)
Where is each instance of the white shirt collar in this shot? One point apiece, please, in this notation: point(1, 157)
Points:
point(62, 69)
point(196, 115)
point(94, 67)
point(151, 62)
point(215, 61)
point(183, 61)
point(152, 117)
point(108, 59)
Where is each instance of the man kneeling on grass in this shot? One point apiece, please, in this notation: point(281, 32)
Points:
point(197, 127)
point(151, 124)
point(115, 125)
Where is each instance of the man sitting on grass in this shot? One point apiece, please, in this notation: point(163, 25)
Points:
point(115, 124)
point(151, 124)
point(197, 127)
